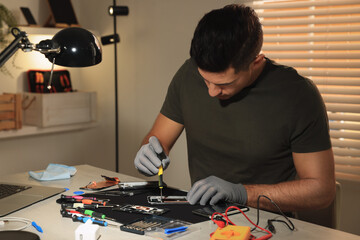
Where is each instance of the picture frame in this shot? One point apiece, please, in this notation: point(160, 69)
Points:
point(62, 14)
point(28, 16)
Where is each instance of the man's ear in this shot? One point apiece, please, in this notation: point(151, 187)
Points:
point(259, 59)
point(258, 62)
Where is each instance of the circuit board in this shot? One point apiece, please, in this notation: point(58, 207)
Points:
point(140, 209)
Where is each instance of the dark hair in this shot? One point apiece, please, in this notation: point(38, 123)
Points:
point(228, 37)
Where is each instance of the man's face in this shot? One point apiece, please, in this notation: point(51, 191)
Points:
point(226, 84)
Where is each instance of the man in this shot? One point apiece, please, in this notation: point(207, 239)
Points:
point(253, 127)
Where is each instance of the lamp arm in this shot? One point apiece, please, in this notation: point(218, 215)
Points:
point(22, 42)
point(20, 37)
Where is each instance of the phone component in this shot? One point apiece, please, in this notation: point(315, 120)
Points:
point(151, 225)
point(140, 209)
point(139, 185)
point(109, 181)
point(167, 200)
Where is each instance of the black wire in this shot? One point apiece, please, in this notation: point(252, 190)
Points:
point(290, 225)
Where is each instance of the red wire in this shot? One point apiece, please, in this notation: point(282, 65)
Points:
point(267, 236)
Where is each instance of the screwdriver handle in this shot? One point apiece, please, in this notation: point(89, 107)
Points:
point(99, 222)
point(77, 197)
point(161, 170)
point(91, 213)
point(84, 220)
point(89, 201)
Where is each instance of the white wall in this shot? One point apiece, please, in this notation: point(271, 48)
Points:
point(155, 40)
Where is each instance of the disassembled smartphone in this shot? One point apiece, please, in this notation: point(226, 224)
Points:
point(167, 200)
point(140, 209)
point(208, 210)
point(153, 225)
point(138, 185)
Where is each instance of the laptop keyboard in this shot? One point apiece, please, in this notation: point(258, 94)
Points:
point(7, 189)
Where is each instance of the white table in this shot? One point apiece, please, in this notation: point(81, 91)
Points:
point(47, 214)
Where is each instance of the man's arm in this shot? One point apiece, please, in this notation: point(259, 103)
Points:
point(166, 130)
point(314, 189)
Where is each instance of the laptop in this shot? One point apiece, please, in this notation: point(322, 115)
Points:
point(14, 197)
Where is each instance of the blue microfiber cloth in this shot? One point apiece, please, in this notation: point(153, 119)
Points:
point(54, 172)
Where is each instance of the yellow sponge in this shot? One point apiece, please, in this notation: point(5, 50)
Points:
point(231, 232)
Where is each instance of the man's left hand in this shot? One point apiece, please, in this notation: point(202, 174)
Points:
point(214, 189)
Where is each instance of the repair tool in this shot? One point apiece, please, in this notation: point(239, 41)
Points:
point(67, 213)
point(37, 227)
point(76, 218)
point(78, 197)
point(94, 214)
point(161, 156)
point(227, 228)
point(89, 201)
point(82, 205)
point(161, 180)
point(117, 192)
point(85, 201)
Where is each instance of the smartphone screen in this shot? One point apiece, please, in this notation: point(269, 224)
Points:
point(167, 200)
point(208, 210)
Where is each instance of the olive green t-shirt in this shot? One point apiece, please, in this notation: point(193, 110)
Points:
point(249, 138)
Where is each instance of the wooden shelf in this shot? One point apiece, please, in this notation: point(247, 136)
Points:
point(33, 30)
point(32, 130)
point(40, 30)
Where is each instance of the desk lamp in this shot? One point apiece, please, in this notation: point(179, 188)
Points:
point(70, 47)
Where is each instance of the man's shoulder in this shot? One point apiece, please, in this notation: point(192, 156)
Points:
point(189, 66)
point(276, 68)
point(187, 72)
point(278, 74)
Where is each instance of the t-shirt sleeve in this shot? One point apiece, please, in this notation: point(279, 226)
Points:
point(171, 107)
point(311, 126)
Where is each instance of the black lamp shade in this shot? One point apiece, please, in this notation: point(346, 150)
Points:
point(78, 48)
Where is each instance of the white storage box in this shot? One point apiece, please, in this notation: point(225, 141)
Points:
point(53, 109)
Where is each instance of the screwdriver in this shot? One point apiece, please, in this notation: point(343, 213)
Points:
point(161, 184)
point(77, 197)
point(74, 200)
point(94, 214)
point(161, 156)
point(84, 220)
point(89, 201)
point(82, 205)
point(91, 213)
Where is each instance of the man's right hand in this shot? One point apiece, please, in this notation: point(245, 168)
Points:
point(147, 159)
